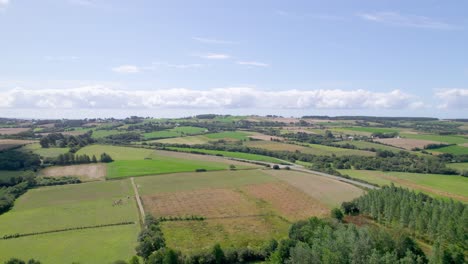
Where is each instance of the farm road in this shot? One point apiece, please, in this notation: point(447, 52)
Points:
point(137, 197)
point(303, 169)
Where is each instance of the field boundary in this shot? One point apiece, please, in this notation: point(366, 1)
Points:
point(6, 237)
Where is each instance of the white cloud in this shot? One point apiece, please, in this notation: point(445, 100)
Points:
point(253, 63)
point(179, 66)
point(126, 69)
point(214, 56)
point(229, 98)
point(212, 40)
point(397, 19)
point(452, 98)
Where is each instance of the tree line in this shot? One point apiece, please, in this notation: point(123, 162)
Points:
point(441, 222)
point(71, 158)
point(60, 140)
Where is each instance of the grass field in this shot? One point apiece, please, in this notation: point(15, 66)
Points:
point(458, 166)
point(45, 152)
point(104, 133)
point(92, 246)
point(372, 129)
point(229, 135)
point(67, 206)
point(5, 175)
point(158, 165)
point(368, 145)
point(451, 186)
point(190, 140)
point(439, 138)
point(175, 132)
point(117, 153)
point(310, 149)
point(11, 143)
point(85, 172)
point(238, 155)
point(453, 149)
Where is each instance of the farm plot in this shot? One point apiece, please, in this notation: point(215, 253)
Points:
point(242, 208)
point(287, 200)
point(117, 153)
point(329, 192)
point(310, 149)
point(67, 206)
point(175, 132)
point(369, 145)
point(453, 149)
point(6, 176)
point(190, 140)
point(230, 154)
point(406, 143)
point(449, 186)
point(230, 135)
point(85, 172)
point(91, 246)
point(12, 143)
point(72, 206)
point(458, 166)
point(45, 152)
point(438, 138)
point(104, 133)
point(210, 158)
point(12, 130)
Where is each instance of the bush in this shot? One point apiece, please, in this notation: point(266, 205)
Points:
point(337, 214)
point(200, 170)
point(276, 167)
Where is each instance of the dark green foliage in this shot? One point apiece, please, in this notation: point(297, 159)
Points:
point(151, 238)
point(276, 167)
point(106, 158)
point(60, 140)
point(49, 181)
point(426, 217)
point(9, 194)
point(218, 254)
point(317, 241)
point(123, 138)
point(19, 261)
point(70, 158)
point(337, 214)
point(350, 208)
point(17, 160)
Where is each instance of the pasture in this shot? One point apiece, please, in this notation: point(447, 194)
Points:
point(230, 135)
point(45, 152)
point(70, 206)
point(458, 166)
point(453, 149)
point(406, 143)
point(309, 149)
point(230, 154)
point(12, 143)
point(175, 132)
point(85, 172)
point(6, 175)
point(12, 130)
point(190, 140)
point(450, 139)
point(449, 186)
point(116, 152)
point(369, 145)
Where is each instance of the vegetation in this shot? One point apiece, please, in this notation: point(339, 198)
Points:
point(237, 155)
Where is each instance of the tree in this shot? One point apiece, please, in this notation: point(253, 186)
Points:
point(218, 253)
point(337, 214)
point(276, 167)
point(106, 158)
point(134, 260)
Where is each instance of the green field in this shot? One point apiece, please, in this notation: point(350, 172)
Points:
point(453, 186)
point(175, 132)
point(45, 152)
point(158, 165)
point(68, 206)
point(458, 166)
point(6, 176)
point(190, 140)
point(116, 152)
point(230, 154)
point(194, 180)
point(453, 149)
point(92, 246)
point(368, 145)
point(229, 135)
point(327, 150)
point(104, 133)
point(372, 129)
point(439, 138)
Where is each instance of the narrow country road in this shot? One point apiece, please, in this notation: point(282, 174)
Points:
point(303, 169)
point(137, 197)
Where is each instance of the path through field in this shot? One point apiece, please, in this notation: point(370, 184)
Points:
point(137, 197)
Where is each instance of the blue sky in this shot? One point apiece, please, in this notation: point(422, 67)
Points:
point(172, 58)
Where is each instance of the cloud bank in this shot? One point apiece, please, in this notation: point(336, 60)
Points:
point(453, 98)
point(101, 97)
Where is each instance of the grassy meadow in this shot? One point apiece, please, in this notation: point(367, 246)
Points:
point(230, 154)
point(45, 152)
